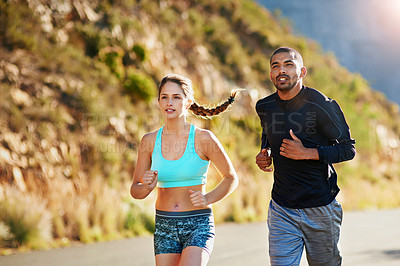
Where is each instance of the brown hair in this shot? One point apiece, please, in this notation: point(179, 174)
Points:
point(187, 88)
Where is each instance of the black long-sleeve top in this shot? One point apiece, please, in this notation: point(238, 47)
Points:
point(318, 122)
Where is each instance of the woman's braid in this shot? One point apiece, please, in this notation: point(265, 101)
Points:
point(205, 112)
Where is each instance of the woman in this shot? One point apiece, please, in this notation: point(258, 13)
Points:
point(176, 159)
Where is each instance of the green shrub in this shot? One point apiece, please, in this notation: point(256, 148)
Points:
point(19, 27)
point(5, 234)
point(140, 52)
point(94, 38)
point(138, 220)
point(112, 57)
point(140, 86)
point(26, 219)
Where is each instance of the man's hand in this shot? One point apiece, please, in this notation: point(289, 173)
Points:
point(264, 160)
point(295, 150)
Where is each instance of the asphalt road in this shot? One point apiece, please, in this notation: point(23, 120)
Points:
point(368, 238)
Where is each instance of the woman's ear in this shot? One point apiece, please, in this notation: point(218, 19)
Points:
point(188, 103)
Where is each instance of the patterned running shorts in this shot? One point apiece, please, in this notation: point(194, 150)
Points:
point(174, 231)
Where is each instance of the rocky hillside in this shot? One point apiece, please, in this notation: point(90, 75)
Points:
point(78, 85)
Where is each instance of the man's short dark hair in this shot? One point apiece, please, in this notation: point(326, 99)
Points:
point(289, 50)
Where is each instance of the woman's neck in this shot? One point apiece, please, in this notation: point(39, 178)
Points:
point(176, 127)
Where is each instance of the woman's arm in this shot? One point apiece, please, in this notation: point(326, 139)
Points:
point(144, 180)
point(214, 151)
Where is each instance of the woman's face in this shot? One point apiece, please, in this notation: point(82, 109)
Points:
point(173, 102)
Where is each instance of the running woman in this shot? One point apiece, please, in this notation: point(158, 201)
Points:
point(175, 159)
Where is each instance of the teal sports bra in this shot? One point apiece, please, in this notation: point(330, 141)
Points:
point(189, 170)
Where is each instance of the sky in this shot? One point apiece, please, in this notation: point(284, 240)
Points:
point(363, 34)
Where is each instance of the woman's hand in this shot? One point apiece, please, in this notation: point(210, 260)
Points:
point(150, 179)
point(198, 199)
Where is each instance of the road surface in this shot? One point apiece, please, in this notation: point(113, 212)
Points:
point(368, 238)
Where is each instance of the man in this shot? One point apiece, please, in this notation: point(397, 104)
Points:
point(304, 133)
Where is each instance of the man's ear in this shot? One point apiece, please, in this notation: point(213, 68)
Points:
point(303, 72)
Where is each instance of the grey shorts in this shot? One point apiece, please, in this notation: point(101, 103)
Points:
point(174, 231)
point(317, 229)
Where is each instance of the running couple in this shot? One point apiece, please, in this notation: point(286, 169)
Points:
point(304, 133)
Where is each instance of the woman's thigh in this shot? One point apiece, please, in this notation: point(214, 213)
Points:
point(168, 259)
point(194, 256)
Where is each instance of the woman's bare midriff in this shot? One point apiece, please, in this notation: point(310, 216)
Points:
point(177, 199)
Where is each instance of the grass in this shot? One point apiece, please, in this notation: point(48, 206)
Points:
point(24, 218)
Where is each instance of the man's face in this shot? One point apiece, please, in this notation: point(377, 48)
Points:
point(286, 71)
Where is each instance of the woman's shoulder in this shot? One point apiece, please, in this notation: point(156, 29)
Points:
point(204, 135)
point(150, 137)
point(148, 141)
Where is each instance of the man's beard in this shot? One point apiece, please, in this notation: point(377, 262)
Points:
point(285, 88)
